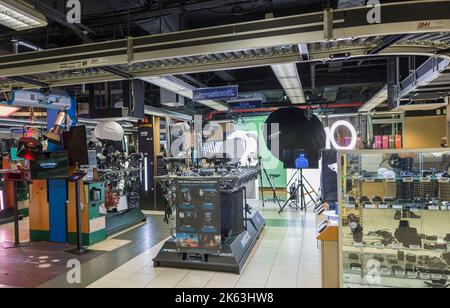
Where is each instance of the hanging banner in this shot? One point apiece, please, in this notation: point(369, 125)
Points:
point(198, 222)
point(219, 93)
point(245, 104)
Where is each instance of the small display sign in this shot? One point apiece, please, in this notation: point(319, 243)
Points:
point(198, 222)
point(219, 93)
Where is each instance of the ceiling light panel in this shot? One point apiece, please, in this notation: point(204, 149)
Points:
point(18, 15)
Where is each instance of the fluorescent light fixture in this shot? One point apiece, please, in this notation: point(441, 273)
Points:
point(18, 15)
point(182, 88)
point(289, 79)
point(375, 101)
point(285, 70)
point(7, 111)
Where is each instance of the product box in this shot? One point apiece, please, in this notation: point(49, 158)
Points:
point(378, 142)
point(398, 142)
point(385, 142)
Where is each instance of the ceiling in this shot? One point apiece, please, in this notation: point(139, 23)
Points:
point(330, 81)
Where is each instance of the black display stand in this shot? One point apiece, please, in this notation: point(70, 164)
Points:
point(16, 243)
point(80, 250)
point(234, 254)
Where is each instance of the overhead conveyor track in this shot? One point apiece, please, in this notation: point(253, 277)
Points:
point(425, 25)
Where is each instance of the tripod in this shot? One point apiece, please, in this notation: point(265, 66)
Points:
point(302, 185)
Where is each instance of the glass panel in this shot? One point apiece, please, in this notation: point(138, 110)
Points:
point(395, 219)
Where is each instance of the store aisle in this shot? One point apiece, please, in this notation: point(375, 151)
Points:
point(286, 256)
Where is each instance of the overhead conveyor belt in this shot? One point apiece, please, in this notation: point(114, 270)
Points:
point(265, 42)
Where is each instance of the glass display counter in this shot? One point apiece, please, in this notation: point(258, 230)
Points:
point(395, 218)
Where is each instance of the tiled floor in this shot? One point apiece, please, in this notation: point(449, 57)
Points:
point(286, 256)
point(7, 231)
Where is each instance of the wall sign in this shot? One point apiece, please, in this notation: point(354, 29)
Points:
point(219, 93)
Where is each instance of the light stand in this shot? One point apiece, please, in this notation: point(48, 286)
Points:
point(302, 186)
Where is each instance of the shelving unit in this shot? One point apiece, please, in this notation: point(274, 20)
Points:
point(394, 231)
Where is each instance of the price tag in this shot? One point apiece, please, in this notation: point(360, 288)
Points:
point(383, 206)
point(356, 177)
point(350, 206)
point(370, 206)
point(441, 241)
point(399, 273)
point(408, 179)
point(425, 276)
point(358, 244)
point(369, 180)
point(415, 247)
point(434, 208)
point(391, 180)
point(397, 207)
point(397, 246)
point(425, 179)
point(443, 180)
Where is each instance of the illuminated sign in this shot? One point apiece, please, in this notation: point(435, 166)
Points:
point(331, 141)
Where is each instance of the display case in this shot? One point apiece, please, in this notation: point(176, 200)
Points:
point(395, 218)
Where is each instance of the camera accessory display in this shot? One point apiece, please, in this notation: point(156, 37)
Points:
point(410, 268)
point(407, 236)
point(423, 261)
point(447, 237)
point(385, 270)
point(355, 266)
point(387, 236)
point(411, 258)
point(398, 269)
point(356, 228)
point(354, 256)
point(401, 222)
point(435, 246)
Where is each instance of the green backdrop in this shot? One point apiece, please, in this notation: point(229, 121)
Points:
point(270, 162)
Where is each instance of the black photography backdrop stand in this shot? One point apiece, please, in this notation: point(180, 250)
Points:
point(302, 186)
